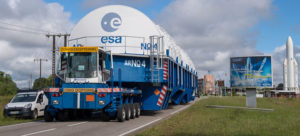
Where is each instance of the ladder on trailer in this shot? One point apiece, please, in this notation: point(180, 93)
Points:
point(156, 57)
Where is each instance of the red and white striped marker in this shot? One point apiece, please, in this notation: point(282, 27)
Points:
point(165, 73)
point(162, 95)
point(55, 90)
point(64, 64)
point(109, 90)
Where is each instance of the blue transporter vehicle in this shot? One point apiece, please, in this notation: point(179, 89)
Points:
point(119, 86)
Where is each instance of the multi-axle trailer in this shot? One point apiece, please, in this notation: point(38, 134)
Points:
point(126, 84)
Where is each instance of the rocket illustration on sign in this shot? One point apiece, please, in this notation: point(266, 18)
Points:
point(290, 68)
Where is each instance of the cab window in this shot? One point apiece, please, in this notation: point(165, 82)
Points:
point(40, 98)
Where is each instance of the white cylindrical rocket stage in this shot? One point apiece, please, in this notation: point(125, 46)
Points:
point(290, 68)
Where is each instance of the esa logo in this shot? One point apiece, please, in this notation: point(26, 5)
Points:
point(111, 39)
point(111, 22)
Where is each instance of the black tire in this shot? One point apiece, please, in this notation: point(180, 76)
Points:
point(121, 115)
point(34, 114)
point(73, 115)
point(128, 111)
point(105, 117)
point(62, 115)
point(48, 117)
point(138, 110)
point(133, 111)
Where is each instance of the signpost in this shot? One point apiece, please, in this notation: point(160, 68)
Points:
point(251, 72)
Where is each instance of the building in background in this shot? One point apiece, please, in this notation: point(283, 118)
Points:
point(209, 84)
point(200, 85)
point(220, 85)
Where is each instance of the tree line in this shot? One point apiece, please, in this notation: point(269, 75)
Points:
point(9, 87)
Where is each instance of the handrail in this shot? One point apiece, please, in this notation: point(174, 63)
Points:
point(128, 43)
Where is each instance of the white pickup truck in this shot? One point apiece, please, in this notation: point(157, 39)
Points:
point(27, 103)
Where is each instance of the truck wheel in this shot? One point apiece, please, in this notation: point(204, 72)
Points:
point(133, 111)
point(62, 115)
point(138, 109)
point(34, 114)
point(128, 112)
point(105, 117)
point(48, 117)
point(121, 114)
point(59, 116)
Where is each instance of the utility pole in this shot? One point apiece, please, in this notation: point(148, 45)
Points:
point(65, 39)
point(40, 60)
point(30, 82)
point(53, 51)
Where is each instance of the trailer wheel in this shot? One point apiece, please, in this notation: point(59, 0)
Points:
point(128, 112)
point(138, 109)
point(48, 117)
point(133, 111)
point(121, 114)
point(105, 117)
point(62, 115)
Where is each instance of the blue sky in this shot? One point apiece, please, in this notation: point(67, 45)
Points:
point(78, 11)
point(272, 32)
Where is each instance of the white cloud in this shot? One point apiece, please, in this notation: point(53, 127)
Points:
point(6, 51)
point(279, 49)
point(18, 49)
point(90, 4)
point(211, 31)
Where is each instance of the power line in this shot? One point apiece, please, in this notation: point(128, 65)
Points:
point(25, 27)
point(23, 31)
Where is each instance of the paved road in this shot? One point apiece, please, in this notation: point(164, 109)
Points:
point(90, 127)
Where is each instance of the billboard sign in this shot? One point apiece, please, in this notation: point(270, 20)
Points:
point(251, 71)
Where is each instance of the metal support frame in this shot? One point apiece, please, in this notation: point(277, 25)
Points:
point(156, 57)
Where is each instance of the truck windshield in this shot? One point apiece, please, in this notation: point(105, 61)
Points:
point(24, 98)
point(82, 65)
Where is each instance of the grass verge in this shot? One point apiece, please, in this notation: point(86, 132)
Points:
point(9, 120)
point(198, 120)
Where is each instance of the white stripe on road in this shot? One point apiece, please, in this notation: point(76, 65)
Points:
point(180, 109)
point(76, 124)
point(132, 130)
point(39, 132)
point(17, 124)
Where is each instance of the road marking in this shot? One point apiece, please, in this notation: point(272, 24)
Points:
point(185, 107)
point(16, 125)
point(76, 124)
point(180, 109)
point(39, 132)
point(132, 130)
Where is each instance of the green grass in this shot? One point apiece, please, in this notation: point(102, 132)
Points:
point(8, 121)
point(199, 120)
